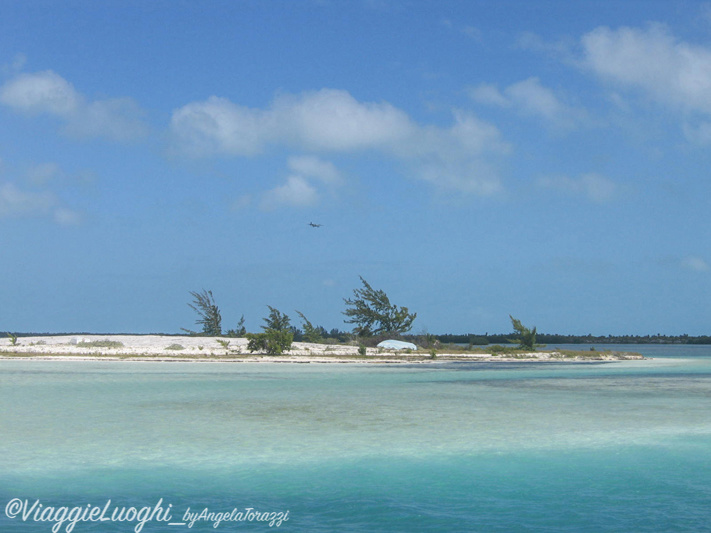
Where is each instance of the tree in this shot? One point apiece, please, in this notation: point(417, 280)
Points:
point(239, 331)
point(277, 336)
point(210, 317)
point(373, 314)
point(277, 320)
point(527, 339)
point(311, 332)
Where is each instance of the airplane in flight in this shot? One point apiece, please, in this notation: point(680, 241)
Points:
point(315, 225)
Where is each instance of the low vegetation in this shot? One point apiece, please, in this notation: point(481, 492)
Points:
point(106, 343)
point(277, 336)
point(175, 347)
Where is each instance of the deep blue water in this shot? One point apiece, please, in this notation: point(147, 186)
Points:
point(547, 447)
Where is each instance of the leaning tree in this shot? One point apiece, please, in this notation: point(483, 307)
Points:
point(210, 317)
point(373, 314)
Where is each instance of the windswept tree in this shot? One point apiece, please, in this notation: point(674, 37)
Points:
point(311, 333)
point(239, 331)
point(527, 337)
point(277, 320)
point(210, 318)
point(373, 314)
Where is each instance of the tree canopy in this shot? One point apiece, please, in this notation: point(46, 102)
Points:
point(373, 314)
point(527, 336)
point(210, 317)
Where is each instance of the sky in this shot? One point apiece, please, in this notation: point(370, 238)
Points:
point(549, 160)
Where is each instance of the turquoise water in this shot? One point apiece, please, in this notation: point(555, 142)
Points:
point(550, 447)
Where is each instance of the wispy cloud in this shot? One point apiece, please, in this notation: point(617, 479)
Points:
point(461, 157)
point(48, 93)
point(593, 187)
point(20, 203)
point(530, 97)
point(658, 66)
point(469, 31)
point(695, 263)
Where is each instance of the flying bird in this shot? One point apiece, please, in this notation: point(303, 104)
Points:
point(315, 225)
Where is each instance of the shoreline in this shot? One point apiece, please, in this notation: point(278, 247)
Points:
point(193, 349)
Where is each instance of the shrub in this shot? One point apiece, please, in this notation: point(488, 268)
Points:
point(106, 343)
point(277, 336)
point(271, 342)
point(497, 349)
point(175, 347)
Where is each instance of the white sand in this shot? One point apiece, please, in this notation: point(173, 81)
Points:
point(188, 348)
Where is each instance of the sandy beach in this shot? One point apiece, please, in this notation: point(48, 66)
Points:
point(195, 349)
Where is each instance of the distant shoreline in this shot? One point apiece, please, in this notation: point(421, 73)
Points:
point(193, 349)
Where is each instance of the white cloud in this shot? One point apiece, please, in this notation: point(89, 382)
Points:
point(42, 92)
point(333, 121)
point(309, 176)
point(489, 94)
point(217, 126)
point(594, 187)
point(530, 98)
point(15, 202)
point(653, 61)
point(118, 119)
point(48, 93)
point(695, 264)
point(20, 203)
point(327, 120)
point(296, 192)
point(313, 167)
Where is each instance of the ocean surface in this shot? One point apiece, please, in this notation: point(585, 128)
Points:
point(455, 447)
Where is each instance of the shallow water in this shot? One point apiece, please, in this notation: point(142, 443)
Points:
point(622, 446)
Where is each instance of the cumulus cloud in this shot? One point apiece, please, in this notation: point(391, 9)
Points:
point(19, 203)
point(594, 187)
point(653, 61)
point(531, 98)
point(309, 177)
point(297, 192)
point(333, 121)
point(48, 93)
point(327, 120)
point(314, 167)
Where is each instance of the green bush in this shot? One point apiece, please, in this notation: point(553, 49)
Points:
point(271, 342)
point(497, 349)
point(175, 347)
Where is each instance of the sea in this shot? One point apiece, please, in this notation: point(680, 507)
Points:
point(442, 447)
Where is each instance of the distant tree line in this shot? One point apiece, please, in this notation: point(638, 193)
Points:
point(375, 318)
point(476, 339)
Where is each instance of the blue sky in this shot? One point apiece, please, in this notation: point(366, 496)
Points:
point(548, 160)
